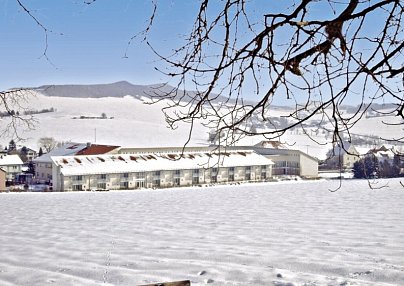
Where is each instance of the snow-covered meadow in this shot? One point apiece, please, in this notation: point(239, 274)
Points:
point(289, 233)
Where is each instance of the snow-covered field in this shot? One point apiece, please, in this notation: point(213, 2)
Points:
point(290, 233)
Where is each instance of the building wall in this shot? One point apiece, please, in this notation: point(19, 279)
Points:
point(287, 162)
point(2, 180)
point(348, 160)
point(11, 171)
point(160, 179)
point(308, 167)
point(43, 171)
point(290, 162)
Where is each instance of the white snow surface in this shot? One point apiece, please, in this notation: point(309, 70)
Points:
point(289, 233)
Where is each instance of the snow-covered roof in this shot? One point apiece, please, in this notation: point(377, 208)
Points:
point(362, 150)
point(6, 160)
point(103, 164)
point(65, 150)
point(271, 144)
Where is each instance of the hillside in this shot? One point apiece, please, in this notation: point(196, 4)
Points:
point(116, 114)
point(117, 89)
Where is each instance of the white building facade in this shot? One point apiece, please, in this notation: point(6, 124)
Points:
point(12, 165)
point(158, 170)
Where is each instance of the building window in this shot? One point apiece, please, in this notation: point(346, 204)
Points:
point(124, 185)
point(139, 184)
point(102, 176)
point(176, 181)
point(140, 175)
point(195, 180)
point(125, 175)
point(177, 173)
point(156, 173)
point(101, 186)
point(231, 170)
point(75, 178)
point(213, 179)
point(231, 178)
point(263, 172)
point(156, 183)
point(248, 176)
point(77, 187)
point(248, 169)
point(195, 173)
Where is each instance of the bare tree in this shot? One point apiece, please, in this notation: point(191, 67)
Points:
point(317, 54)
point(14, 119)
point(47, 143)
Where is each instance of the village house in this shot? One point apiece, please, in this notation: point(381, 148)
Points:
point(12, 165)
point(288, 162)
point(158, 169)
point(28, 153)
point(343, 156)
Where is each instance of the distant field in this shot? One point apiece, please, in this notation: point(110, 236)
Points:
point(295, 233)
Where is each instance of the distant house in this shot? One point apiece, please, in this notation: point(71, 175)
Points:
point(12, 165)
point(30, 154)
point(2, 180)
point(43, 164)
point(383, 153)
point(158, 170)
point(343, 156)
point(288, 162)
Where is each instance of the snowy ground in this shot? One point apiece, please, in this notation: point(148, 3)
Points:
point(294, 233)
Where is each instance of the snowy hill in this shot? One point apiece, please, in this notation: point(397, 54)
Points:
point(117, 89)
point(130, 122)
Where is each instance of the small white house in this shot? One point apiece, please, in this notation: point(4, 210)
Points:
point(12, 165)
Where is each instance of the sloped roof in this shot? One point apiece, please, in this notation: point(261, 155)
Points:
point(96, 149)
point(107, 164)
point(6, 160)
point(65, 150)
point(271, 144)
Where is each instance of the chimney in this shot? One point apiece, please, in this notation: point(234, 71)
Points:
point(88, 144)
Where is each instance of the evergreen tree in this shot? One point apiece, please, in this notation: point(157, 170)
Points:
point(40, 152)
point(23, 154)
point(11, 146)
point(396, 166)
point(359, 169)
point(31, 168)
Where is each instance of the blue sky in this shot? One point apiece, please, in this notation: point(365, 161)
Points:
point(87, 43)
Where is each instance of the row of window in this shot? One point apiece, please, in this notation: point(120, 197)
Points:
point(281, 164)
point(177, 174)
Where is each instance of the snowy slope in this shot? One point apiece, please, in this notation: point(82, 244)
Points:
point(280, 234)
point(133, 123)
